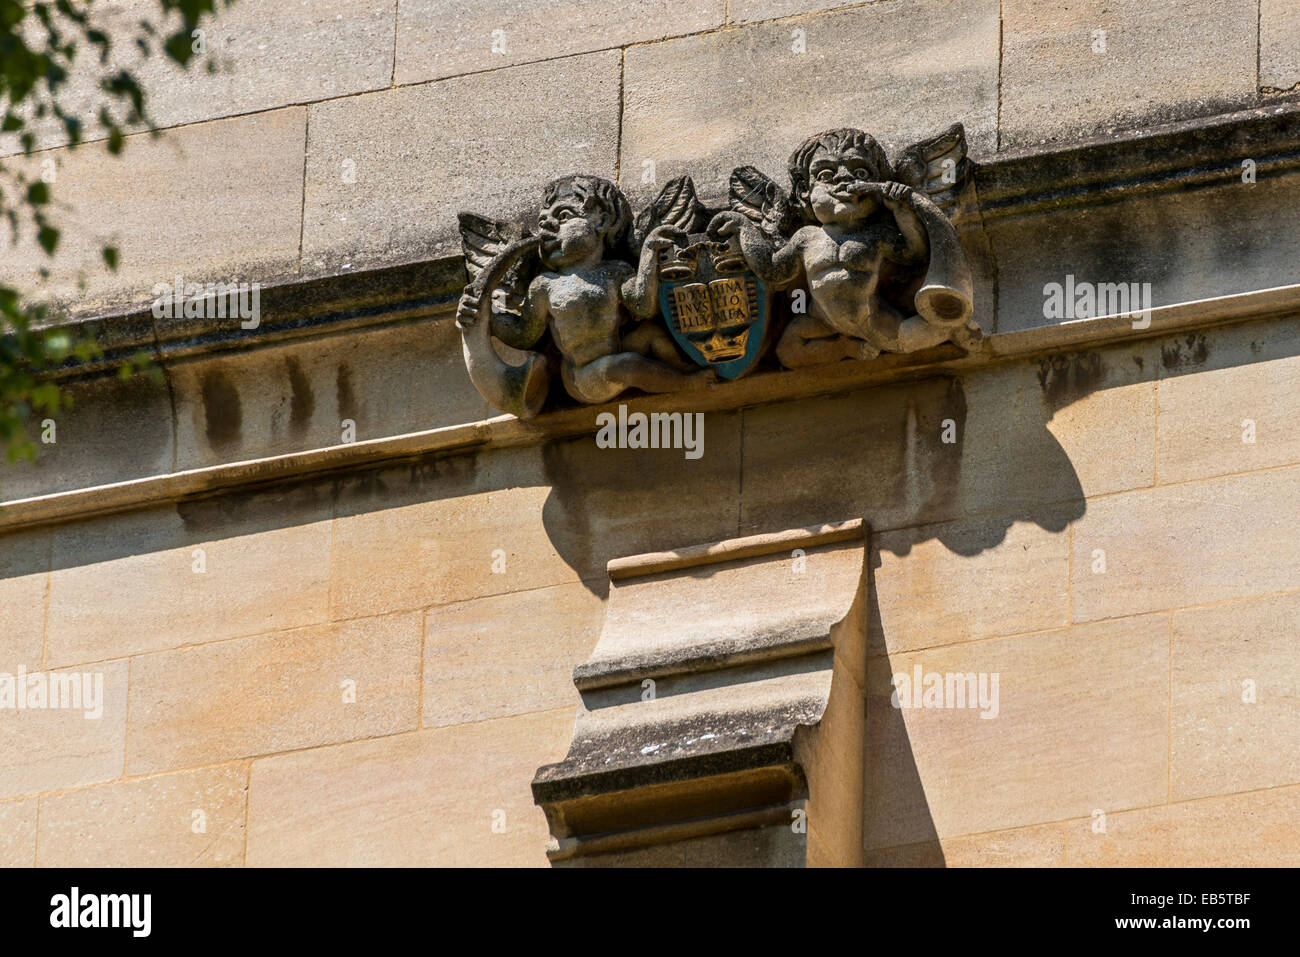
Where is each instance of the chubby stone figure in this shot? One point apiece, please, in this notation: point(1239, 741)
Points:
point(882, 264)
point(582, 288)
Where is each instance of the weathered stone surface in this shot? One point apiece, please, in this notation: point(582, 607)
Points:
point(429, 534)
point(1189, 245)
point(18, 833)
point(833, 755)
point(419, 536)
point(276, 692)
point(1058, 84)
point(706, 104)
point(691, 730)
point(1236, 697)
point(1188, 544)
point(924, 575)
point(507, 654)
point(50, 748)
point(24, 580)
point(703, 702)
point(253, 551)
point(111, 431)
point(876, 452)
point(1057, 429)
point(441, 38)
point(213, 201)
point(266, 54)
point(429, 798)
point(1025, 442)
point(679, 620)
point(1229, 401)
point(187, 819)
point(748, 11)
point(1279, 39)
point(297, 397)
point(1082, 723)
point(1042, 845)
point(409, 177)
point(1235, 830)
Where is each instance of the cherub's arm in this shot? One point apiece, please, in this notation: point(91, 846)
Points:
point(776, 265)
point(914, 247)
point(641, 290)
point(519, 331)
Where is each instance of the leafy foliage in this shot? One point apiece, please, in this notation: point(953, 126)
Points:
point(40, 43)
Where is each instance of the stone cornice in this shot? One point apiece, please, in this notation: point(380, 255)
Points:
point(505, 430)
point(1196, 154)
point(1203, 153)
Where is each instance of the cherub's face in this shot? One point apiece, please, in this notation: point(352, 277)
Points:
point(570, 231)
point(839, 187)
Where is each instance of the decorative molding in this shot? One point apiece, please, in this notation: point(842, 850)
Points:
point(703, 699)
point(507, 430)
point(1174, 157)
point(1202, 153)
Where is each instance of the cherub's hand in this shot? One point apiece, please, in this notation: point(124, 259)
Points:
point(662, 237)
point(726, 224)
point(467, 311)
point(896, 195)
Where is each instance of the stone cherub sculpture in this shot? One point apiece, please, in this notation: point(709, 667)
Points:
point(582, 287)
point(883, 266)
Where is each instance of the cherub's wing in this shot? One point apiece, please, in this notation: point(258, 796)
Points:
point(764, 203)
point(939, 168)
point(481, 239)
point(676, 205)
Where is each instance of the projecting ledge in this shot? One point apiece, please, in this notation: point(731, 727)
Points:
point(704, 736)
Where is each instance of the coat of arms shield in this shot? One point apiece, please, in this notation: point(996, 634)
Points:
point(716, 309)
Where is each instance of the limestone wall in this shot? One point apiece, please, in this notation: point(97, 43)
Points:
point(343, 134)
point(365, 664)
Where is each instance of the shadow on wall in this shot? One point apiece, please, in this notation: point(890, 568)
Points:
point(882, 453)
point(903, 802)
point(934, 453)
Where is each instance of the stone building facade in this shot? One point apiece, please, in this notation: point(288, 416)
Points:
point(345, 613)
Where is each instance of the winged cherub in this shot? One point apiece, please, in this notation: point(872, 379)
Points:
point(582, 294)
point(883, 266)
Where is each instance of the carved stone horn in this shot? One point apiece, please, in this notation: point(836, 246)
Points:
point(519, 390)
point(947, 295)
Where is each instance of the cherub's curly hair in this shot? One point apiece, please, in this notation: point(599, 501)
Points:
point(609, 200)
point(834, 141)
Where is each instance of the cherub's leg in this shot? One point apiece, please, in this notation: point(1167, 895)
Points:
point(807, 341)
point(602, 379)
point(653, 341)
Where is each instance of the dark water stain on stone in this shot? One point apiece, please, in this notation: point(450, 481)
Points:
point(243, 511)
point(1192, 350)
point(1068, 378)
point(424, 479)
point(302, 403)
point(347, 398)
point(1141, 364)
point(223, 415)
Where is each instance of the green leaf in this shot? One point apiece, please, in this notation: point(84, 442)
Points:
point(179, 48)
point(48, 237)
